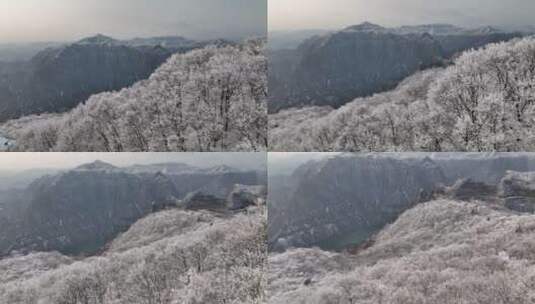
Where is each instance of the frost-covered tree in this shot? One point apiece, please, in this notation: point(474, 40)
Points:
point(169, 257)
point(440, 252)
point(211, 99)
point(485, 101)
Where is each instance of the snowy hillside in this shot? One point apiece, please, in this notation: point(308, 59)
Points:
point(484, 102)
point(210, 99)
point(171, 256)
point(334, 68)
point(440, 252)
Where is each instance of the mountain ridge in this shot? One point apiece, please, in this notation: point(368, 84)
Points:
point(334, 68)
point(58, 78)
point(77, 211)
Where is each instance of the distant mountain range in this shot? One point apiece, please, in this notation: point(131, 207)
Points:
point(335, 68)
point(58, 78)
point(77, 211)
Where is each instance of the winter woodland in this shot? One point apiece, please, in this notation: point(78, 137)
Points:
point(485, 101)
point(211, 99)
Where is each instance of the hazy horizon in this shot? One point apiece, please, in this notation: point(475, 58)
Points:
point(29, 21)
point(17, 162)
point(337, 14)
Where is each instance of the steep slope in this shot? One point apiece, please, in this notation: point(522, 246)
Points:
point(79, 210)
point(211, 99)
point(287, 40)
point(438, 252)
point(345, 199)
point(469, 106)
point(341, 195)
point(364, 59)
point(358, 61)
point(58, 79)
point(171, 256)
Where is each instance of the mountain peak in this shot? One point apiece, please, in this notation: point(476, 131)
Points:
point(221, 169)
point(98, 39)
point(96, 165)
point(486, 30)
point(366, 27)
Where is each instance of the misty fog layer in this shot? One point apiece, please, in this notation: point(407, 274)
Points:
point(319, 14)
point(54, 160)
point(68, 20)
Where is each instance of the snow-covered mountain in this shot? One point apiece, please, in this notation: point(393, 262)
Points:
point(77, 211)
point(169, 111)
point(171, 256)
point(58, 78)
point(442, 109)
point(342, 199)
point(471, 241)
point(360, 60)
point(433, 253)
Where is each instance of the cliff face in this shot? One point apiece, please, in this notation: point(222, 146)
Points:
point(353, 196)
point(364, 59)
point(80, 210)
point(57, 79)
point(345, 194)
point(355, 63)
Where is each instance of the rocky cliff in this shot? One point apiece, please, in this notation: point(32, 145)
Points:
point(80, 210)
point(59, 78)
point(335, 68)
point(347, 198)
point(344, 194)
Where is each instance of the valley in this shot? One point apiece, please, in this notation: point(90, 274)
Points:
point(140, 233)
point(404, 228)
point(60, 77)
point(210, 98)
point(332, 69)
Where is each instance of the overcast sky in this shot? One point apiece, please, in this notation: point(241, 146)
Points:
point(336, 14)
point(68, 20)
point(25, 161)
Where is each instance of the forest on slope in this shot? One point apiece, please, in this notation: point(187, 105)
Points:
point(485, 101)
point(158, 233)
point(333, 68)
point(441, 252)
point(424, 228)
point(211, 99)
point(56, 77)
point(172, 256)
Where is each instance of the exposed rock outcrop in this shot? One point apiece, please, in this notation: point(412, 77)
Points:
point(243, 196)
point(59, 78)
point(468, 189)
point(518, 191)
point(198, 200)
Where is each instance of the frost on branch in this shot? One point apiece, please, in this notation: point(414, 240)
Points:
point(212, 99)
point(439, 252)
point(169, 257)
point(484, 102)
